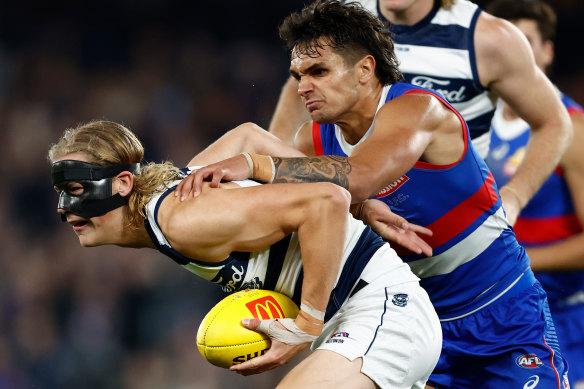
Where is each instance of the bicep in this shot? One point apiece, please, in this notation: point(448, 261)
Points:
point(509, 70)
point(402, 132)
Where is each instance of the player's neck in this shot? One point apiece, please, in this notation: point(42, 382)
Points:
point(355, 123)
point(410, 15)
point(136, 238)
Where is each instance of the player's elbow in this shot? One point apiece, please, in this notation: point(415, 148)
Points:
point(250, 136)
point(333, 197)
point(568, 133)
point(562, 128)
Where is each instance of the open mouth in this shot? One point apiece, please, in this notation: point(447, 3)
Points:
point(78, 224)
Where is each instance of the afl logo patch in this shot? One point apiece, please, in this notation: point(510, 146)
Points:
point(392, 187)
point(400, 300)
point(340, 335)
point(529, 361)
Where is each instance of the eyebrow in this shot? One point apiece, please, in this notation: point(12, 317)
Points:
point(307, 70)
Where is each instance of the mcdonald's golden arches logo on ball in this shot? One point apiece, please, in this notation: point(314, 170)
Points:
point(224, 341)
point(265, 308)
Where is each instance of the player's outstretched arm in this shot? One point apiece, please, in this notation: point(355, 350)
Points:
point(506, 65)
point(246, 137)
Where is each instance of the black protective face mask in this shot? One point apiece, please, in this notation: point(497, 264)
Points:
point(97, 198)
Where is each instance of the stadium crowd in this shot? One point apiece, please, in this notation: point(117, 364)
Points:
point(105, 318)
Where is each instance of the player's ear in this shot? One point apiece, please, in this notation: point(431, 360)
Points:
point(123, 183)
point(366, 68)
point(548, 49)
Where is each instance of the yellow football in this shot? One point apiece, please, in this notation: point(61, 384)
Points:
point(224, 341)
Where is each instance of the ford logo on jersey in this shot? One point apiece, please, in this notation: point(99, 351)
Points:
point(529, 361)
point(400, 300)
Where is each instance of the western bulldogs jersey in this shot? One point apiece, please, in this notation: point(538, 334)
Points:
point(437, 53)
point(476, 257)
point(279, 267)
point(550, 216)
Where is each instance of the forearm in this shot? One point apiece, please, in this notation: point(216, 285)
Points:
point(246, 137)
point(545, 149)
point(362, 180)
point(567, 255)
point(322, 236)
point(289, 114)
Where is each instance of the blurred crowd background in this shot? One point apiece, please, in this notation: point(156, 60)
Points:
point(179, 74)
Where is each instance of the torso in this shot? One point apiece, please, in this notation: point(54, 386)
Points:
point(278, 267)
point(475, 251)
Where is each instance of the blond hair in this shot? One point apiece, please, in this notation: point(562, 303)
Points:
point(447, 4)
point(108, 143)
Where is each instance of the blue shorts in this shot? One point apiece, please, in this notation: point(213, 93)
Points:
point(511, 343)
point(570, 328)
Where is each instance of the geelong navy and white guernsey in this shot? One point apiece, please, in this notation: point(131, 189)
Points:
point(279, 267)
point(437, 53)
point(479, 277)
point(377, 310)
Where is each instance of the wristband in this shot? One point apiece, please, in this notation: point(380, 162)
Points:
point(308, 323)
point(262, 167)
point(319, 315)
point(249, 163)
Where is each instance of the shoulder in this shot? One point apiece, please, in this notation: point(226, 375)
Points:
point(496, 35)
point(500, 48)
point(414, 106)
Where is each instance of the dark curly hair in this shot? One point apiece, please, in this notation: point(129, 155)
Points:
point(349, 29)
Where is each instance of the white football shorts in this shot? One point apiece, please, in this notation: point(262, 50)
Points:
point(394, 328)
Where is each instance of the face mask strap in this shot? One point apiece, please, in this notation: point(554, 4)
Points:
point(94, 201)
point(71, 170)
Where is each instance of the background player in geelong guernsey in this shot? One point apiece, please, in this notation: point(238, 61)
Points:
point(362, 309)
point(550, 226)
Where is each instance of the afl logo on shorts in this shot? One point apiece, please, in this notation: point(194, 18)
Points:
point(529, 361)
point(400, 300)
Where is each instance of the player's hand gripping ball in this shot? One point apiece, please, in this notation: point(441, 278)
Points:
point(224, 341)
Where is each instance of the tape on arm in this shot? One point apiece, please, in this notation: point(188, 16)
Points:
point(305, 328)
point(291, 335)
point(262, 167)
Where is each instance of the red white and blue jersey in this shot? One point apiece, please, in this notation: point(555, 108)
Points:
point(550, 216)
point(476, 257)
point(438, 53)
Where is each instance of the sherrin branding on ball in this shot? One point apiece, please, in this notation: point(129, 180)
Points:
point(224, 341)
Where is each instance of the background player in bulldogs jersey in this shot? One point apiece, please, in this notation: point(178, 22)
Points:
point(471, 58)
point(299, 240)
point(408, 147)
point(550, 226)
